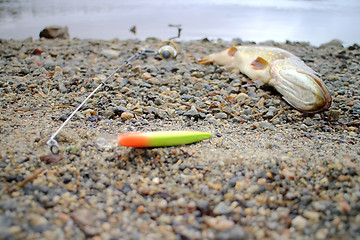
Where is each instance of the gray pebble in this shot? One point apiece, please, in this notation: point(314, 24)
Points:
point(221, 115)
point(234, 233)
point(266, 125)
point(221, 209)
point(192, 113)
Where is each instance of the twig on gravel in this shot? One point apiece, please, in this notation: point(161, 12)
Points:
point(191, 105)
point(356, 122)
point(31, 178)
point(352, 123)
point(277, 115)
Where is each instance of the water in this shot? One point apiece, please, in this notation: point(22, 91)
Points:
point(314, 21)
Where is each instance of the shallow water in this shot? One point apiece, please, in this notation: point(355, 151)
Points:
point(314, 21)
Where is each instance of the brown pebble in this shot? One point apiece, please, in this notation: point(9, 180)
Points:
point(334, 115)
point(126, 116)
point(344, 206)
point(140, 209)
point(344, 178)
point(64, 217)
point(147, 76)
point(261, 181)
point(51, 158)
point(261, 103)
point(215, 186)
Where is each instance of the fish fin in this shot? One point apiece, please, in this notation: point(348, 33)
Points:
point(259, 64)
point(206, 60)
point(231, 51)
point(209, 59)
point(258, 83)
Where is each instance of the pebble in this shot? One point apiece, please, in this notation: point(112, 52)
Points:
point(299, 222)
point(321, 234)
point(110, 53)
point(38, 223)
point(192, 112)
point(312, 215)
point(266, 125)
point(236, 232)
point(221, 115)
point(126, 116)
point(219, 223)
point(221, 208)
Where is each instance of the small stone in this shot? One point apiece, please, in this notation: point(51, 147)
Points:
point(266, 125)
point(221, 209)
point(119, 110)
point(85, 219)
point(241, 96)
point(322, 234)
point(286, 172)
point(333, 115)
point(192, 112)
point(144, 84)
point(162, 204)
point(38, 223)
point(126, 116)
point(155, 180)
point(332, 43)
point(219, 223)
point(109, 53)
point(140, 209)
point(14, 230)
point(203, 206)
point(324, 181)
point(221, 115)
point(147, 75)
point(313, 216)
point(52, 32)
point(236, 232)
point(51, 158)
point(248, 111)
point(299, 222)
point(165, 219)
point(261, 181)
point(344, 206)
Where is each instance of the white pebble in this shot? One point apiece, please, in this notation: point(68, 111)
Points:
point(299, 222)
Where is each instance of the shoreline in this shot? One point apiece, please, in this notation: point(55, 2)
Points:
point(335, 42)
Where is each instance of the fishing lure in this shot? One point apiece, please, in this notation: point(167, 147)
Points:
point(154, 139)
point(161, 138)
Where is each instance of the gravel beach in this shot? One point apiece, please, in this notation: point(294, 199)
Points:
point(268, 172)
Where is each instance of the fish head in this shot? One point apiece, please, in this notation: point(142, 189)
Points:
point(300, 86)
point(223, 58)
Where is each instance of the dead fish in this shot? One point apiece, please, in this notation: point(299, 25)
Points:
point(299, 85)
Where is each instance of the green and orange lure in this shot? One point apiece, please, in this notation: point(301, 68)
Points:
point(160, 138)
